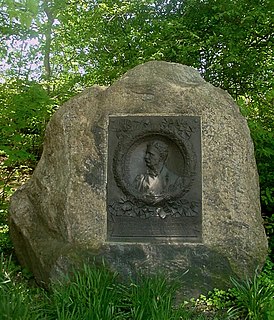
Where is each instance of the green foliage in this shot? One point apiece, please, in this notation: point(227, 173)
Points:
point(92, 293)
point(270, 311)
point(264, 152)
point(16, 298)
point(249, 299)
point(25, 110)
point(97, 293)
point(253, 298)
point(233, 42)
point(267, 275)
point(259, 112)
point(153, 298)
point(269, 227)
point(260, 115)
point(20, 11)
point(229, 42)
point(6, 245)
point(11, 178)
point(216, 299)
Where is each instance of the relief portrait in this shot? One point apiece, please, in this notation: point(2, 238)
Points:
point(157, 182)
point(154, 178)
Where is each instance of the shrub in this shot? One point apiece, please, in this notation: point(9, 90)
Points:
point(25, 111)
point(253, 297)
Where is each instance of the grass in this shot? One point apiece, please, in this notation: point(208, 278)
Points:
point(16, 297)
point(253, 298)
point(93, 293)
point(96, 293)
point(153, 298)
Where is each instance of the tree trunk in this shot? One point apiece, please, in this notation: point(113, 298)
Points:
point(48, 35)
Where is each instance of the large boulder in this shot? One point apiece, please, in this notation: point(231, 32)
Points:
point(59, 218)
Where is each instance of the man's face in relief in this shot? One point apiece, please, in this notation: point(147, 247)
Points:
point(152, 158)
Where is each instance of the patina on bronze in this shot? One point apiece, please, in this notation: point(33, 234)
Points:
point(154, 178)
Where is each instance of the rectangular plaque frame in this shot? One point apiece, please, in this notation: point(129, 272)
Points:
point(160, 201)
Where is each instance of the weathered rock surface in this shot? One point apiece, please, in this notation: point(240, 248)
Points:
point(58, 218)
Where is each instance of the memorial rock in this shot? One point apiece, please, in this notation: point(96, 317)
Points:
point(155, 173)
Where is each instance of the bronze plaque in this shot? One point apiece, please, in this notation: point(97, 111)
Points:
point(154, 188)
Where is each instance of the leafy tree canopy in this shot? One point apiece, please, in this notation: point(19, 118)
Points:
point(51, 49)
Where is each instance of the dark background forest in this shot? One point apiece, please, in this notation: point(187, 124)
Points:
point(53, 49)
